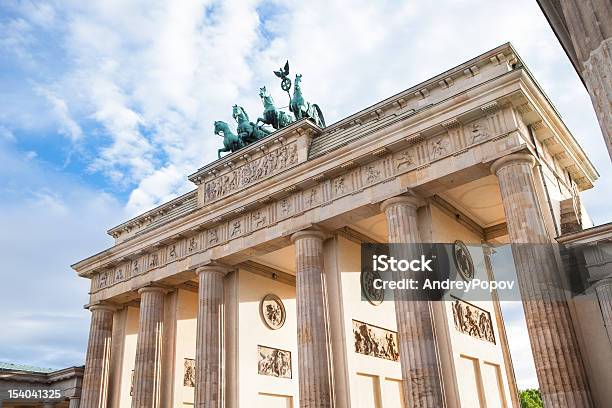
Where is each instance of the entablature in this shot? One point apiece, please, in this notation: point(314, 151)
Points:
point(413, 151)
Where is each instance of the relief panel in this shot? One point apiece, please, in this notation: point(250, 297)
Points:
point(251, 172)
point(473, 321)
point(189, 373)
point(375, 341)
point(274, 362)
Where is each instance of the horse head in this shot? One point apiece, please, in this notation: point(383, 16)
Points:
point(239, 113)
point(298, 80)
point(220, 126)
point(263, 92)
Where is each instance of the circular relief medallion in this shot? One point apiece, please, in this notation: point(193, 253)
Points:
point(272, 311)
point(463, 260)
point(374, 296)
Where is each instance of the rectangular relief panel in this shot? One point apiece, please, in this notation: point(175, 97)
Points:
point(189, 373)
point(375, 341)
point(274, 362)
point(473, 321)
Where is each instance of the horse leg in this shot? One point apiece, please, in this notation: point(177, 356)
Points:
point(224, 149)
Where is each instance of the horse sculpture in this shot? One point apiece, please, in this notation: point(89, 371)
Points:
point(248, 132)
point(231, 142)
point(272, 116)
point(302, 109)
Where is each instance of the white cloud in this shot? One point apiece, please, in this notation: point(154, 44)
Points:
point(44, 217)
point(67, 126)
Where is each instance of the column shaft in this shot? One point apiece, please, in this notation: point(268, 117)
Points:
point(314, 362)
point(209, 341)
point(604, 295)
point(147, 369)
point(557, 358)
point(588, 23)
point(421, 378)
point(74, 402)
point(95, 378)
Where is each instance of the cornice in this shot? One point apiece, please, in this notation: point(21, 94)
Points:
point(590, 235)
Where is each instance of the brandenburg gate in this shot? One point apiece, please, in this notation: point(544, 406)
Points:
point(246, 291)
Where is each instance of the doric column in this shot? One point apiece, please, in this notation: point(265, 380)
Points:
point(209, 345)
point(604, 295)
point(588, 24)
point(557, 358)
point(421, 379)
point(314, 369)
point(147, 369)
point(74, 402)
point(95, 378)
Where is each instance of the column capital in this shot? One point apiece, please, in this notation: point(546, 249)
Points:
point(603, 282)
point(214, 268)
point(307, 233)
point(410, 201)
point(512, 158)
point(111, 307)
point(153, 288)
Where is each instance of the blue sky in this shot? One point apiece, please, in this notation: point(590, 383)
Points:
point(107, 106)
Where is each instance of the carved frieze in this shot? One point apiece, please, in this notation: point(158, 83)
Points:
point(212, 237)
point(285, 207)
point(259, 218)
point(404, 160)
point(193, 244)
point(274, 362)
point(375, 341)
point(135, 267)
point(172, 252)
point(339, 185)
point(154, 260)
point(439, 146)
point(312, 197)
point(322, 192)
point(251, 172)
point(372, 173)
point(473, 321)
point(189, 373)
